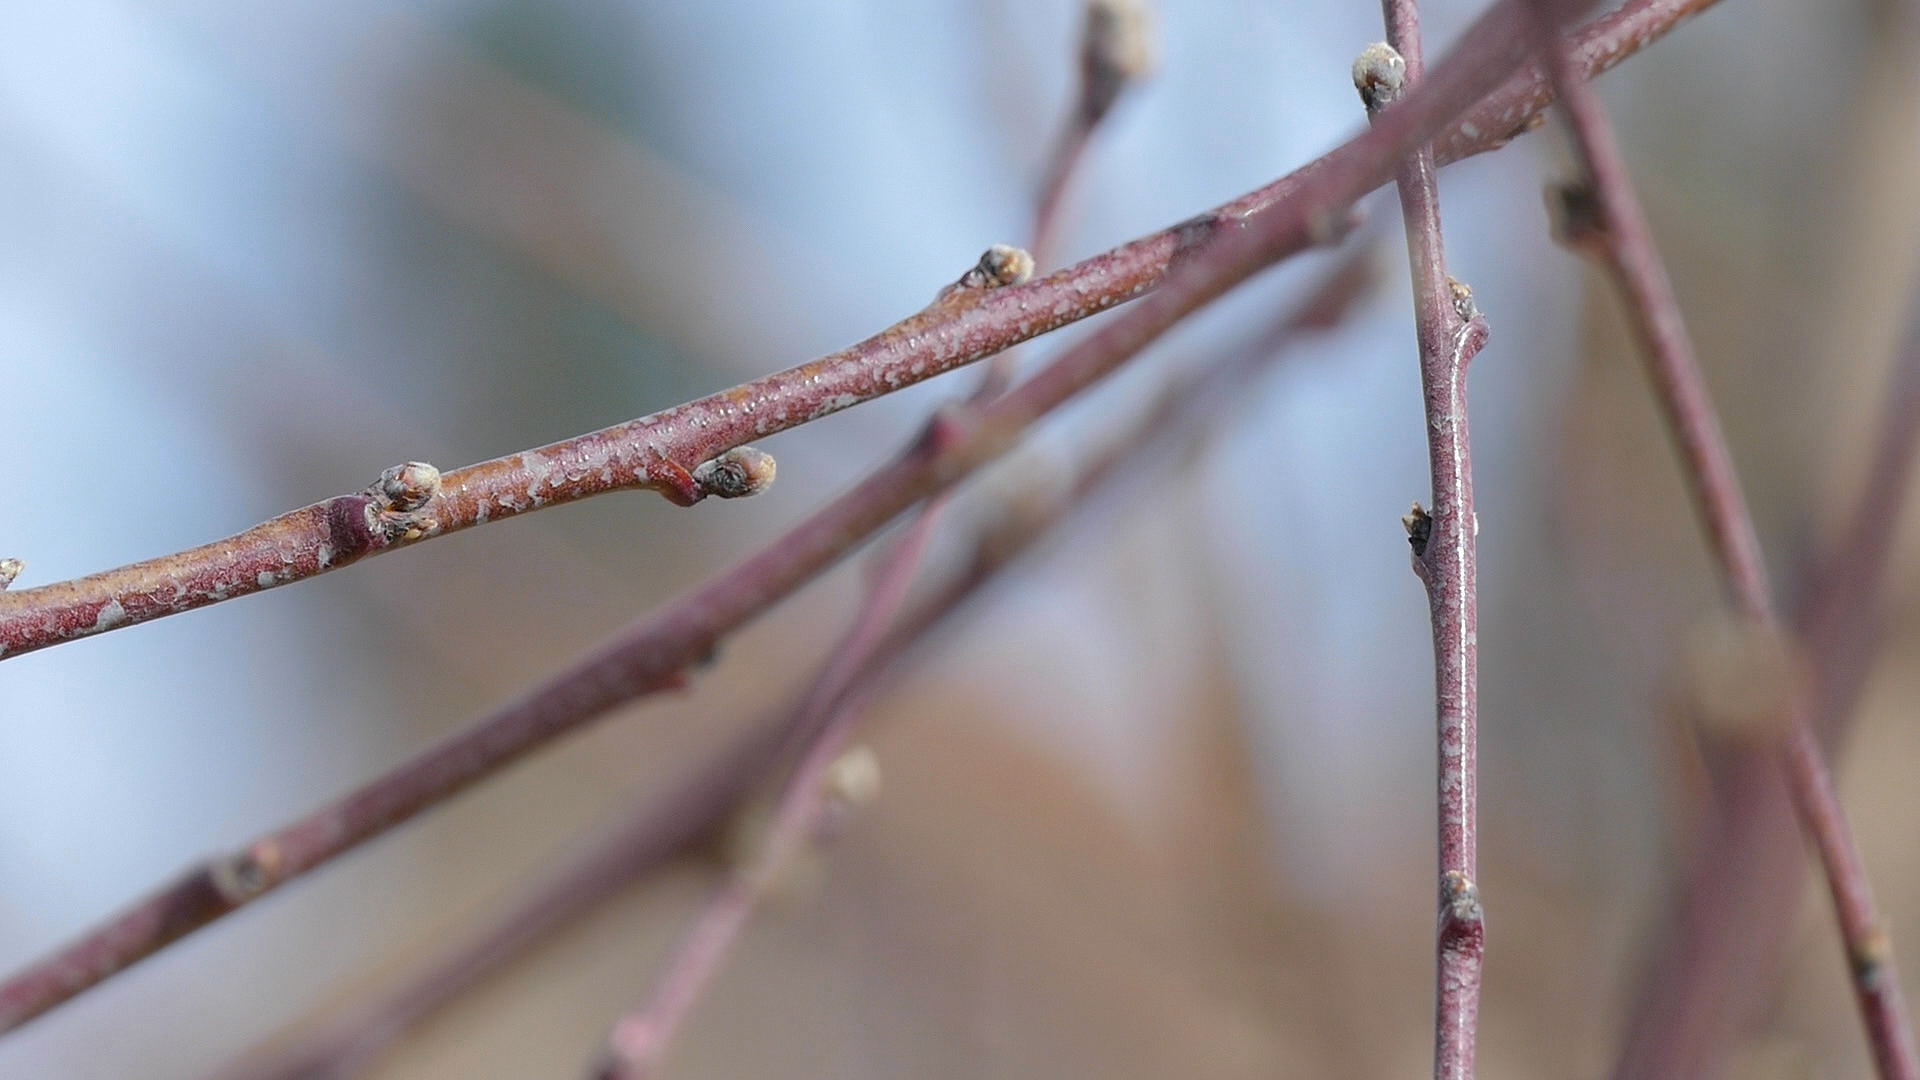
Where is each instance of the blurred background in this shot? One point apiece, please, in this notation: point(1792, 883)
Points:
point(1162, 803)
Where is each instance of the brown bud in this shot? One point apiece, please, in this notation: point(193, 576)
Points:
point(999, 266)
point(736, 474)
point(408, 487)
point(1419, 526)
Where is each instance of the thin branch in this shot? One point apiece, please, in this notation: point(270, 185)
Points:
point(653, 654)
point(1716, 957)
point(1603, 218)
point(663, 451)
point(1114, 50)
point(1520, 105)
point(640, 1039)
point(1449, 332)
point(659, 827)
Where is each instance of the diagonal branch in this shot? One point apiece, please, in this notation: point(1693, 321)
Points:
point(664, 451)
point(1727, 927)
point(1115, 49)
point(659, 827)
point(640, 1038)
point(1602, 217)
point(653, 654)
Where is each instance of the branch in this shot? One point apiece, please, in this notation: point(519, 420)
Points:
point(653, 654)
point(1520, 105)
point(1449, 332)
point(663, 452)
point(1736, 911)
point(1115, 49)
point(1602, 217)
point(658, 828)
point(640, 1038)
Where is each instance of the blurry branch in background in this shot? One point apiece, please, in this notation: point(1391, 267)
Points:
point(1449, 333)
point(1115, 49)
point(1715, 958)
point(655, 653)
point(667, 451)
point(1600, 216)
point(660, 828)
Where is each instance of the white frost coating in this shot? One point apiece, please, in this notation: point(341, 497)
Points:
point(266, 579)
point(324, 557)
point(111, 615)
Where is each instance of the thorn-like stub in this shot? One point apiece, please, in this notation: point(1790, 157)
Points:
point(10, 570)
point(1380, 74)
point(1117, 47)
point(736, 474)
point(1419, 526)
point(407, 487)
point(1574, 211)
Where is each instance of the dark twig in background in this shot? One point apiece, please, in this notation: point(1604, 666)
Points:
point(1601, 216)
point(664, 451)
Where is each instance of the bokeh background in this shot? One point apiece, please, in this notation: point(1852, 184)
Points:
point(1162, 803)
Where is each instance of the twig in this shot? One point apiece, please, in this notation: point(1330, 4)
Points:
point(1114, 50)
point(1450, 332)
point(641, 1038)
point(653, 654)
point(1520, 105)
point(657, 827)
point(660, 452)
point(1603, 218)
point(1716, 956)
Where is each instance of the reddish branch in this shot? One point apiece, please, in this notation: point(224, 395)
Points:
point(664, 451)
point(1449, 332)
point(657, 828)
point(1114, 50)
point(1717, 957)
point(653, 654)
point(1602, 216)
